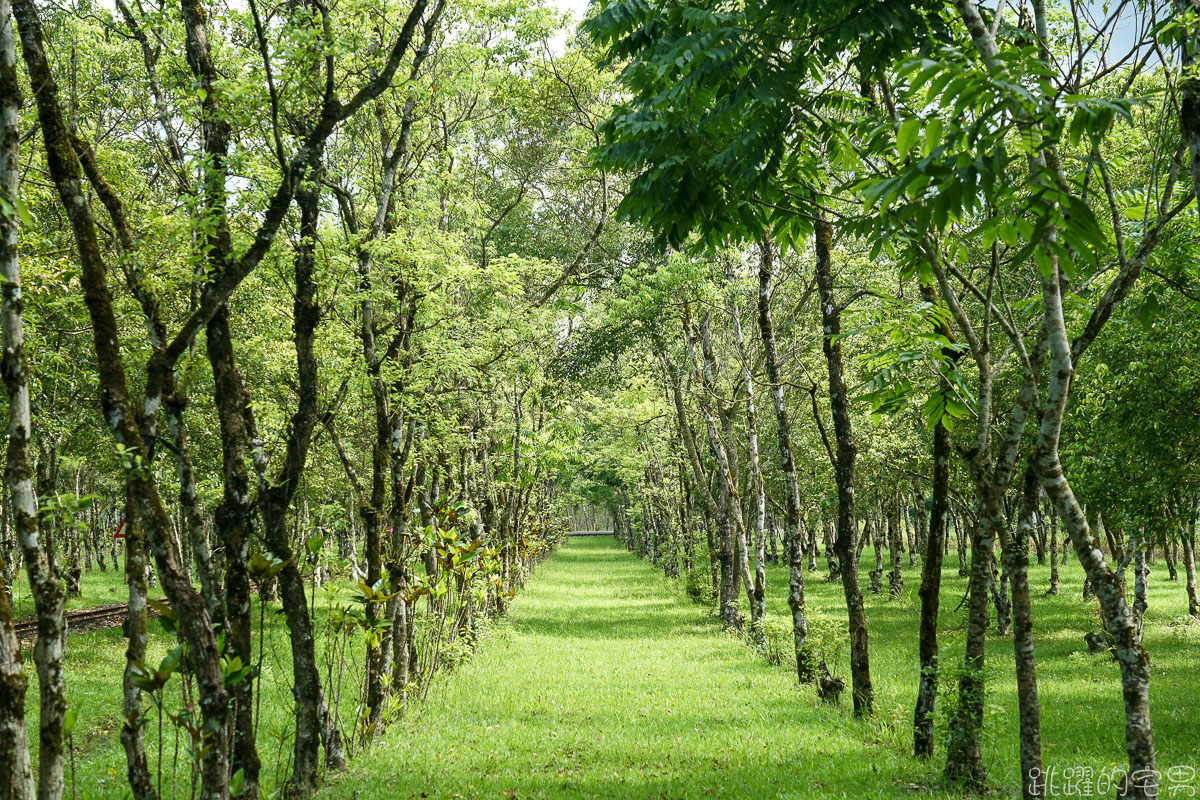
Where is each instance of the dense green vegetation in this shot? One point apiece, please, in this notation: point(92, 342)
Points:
point(871, 326)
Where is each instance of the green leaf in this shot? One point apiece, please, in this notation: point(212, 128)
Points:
point(933, 136)
point(24, 214)
point(906, 136)
point(163, 609)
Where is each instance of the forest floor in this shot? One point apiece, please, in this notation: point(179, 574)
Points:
point(606, 681)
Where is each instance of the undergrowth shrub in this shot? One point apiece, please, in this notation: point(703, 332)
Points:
point(699, 586)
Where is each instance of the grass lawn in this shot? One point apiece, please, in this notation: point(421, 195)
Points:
point(606, 681)
point(1079, 692)
point(95, 660)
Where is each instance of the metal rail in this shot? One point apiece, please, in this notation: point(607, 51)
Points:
point(26, 628)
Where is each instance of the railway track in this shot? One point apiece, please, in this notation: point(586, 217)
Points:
point(79, 621)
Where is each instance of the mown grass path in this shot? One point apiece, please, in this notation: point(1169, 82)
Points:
point(605, 682)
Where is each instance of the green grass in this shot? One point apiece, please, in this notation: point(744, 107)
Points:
point(1079, 692)
point(96, 588)
point(605, 681)
point(93, 665)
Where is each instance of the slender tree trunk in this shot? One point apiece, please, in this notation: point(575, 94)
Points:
point(793, 531)
point(233, 522)
point(730, 504)
point(1016, 553)
point(1187, 535)
point(1141, 572)
point(896, 576)
point(401, 547)
point(1169, 545)
point(16, 777)
point(133, 719)
point(1053, 590)
point(1002, 599)
point(835, 571)
point(873, 530)
point(712, 510)
point(48, 596)
point(960, 546)
point(839, 400)
point(1141, 780)
point(964, 758)
point(930, 594)
point(275, 499)
point(757, 590)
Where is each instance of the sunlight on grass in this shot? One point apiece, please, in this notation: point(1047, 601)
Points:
point(606, 682)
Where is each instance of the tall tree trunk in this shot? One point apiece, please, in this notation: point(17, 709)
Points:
point(730, 505)
point(1053, 590)
point(873, 531)
point(758, 588)
point(831, 560)
point(964, 757)
point(133, 719)
point(1015, 551)
point(793, 531)
point(930, 594)
point(896, 576)
point(1002, 599)
point(233, 523)
point(276, 494)
point(1187, 534)
point(16, 777)
point(839, 401)
point(1120, 622)
point(48, 595)
point(232, 402)
point(401, 550)
point(712, 512)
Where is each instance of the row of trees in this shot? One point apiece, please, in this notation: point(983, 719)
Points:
point(964, 239)
point(308, 253)
point(887, 277)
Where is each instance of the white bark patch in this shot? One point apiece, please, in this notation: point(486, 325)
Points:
point(153, 403)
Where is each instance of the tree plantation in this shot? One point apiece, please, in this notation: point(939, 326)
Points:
point(644, 399)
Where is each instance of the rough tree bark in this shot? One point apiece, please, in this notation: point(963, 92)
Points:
point(48, 595)
point(873, 530)
point(1053, 590)
point(1120, 621)
point(839, 400)
point(195, 623)
point(896, 575)
point(313, 722)
point(930, 594)
point(132, 709)
point(783, 434)
point(16, 777)
point(1015, 551)
point(1187, 534)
